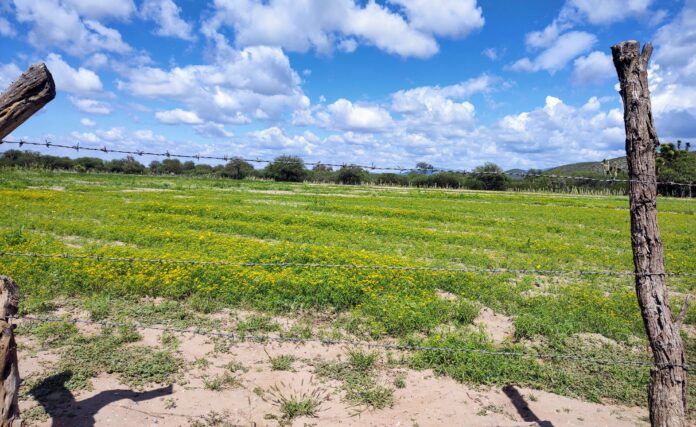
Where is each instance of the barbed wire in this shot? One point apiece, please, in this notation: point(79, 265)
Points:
point(543, 272)
point(345, 342)
point(167, 154)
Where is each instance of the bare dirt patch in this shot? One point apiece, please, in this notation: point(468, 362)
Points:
point(250, 396)
point(498, 326)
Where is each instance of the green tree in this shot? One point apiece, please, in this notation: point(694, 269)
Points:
point(287, 168)
point(488, 177)
point(351, 175)
point(237, 169)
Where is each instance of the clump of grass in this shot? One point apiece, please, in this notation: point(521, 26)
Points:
point(82, 358)
point(235, 366)
point(257, 323)
point(295, 405)
point(203, 303)
point(169, 340)
point(221, 382)
point(300, 330)
point(357, 375)
point(400, 381)
point(281, 363)
point(464, 312)
point(53, 334)
point(201, 363)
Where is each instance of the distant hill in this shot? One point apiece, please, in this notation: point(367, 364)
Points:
point(587, 167)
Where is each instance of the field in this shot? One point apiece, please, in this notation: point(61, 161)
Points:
point(265, 222)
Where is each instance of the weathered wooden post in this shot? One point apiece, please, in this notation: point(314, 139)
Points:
point(9, 386)
point(27, 95)
point(667, 390)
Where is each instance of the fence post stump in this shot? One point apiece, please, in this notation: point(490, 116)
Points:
point(9, 386)
point(27, 95)
point(667, 389)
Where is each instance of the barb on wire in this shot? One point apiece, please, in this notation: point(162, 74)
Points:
point(225, 158)
point(344, 342)
point(543, 272)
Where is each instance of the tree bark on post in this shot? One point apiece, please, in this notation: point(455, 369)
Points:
point(667, 389)
point(9, 382)
point(27, 95)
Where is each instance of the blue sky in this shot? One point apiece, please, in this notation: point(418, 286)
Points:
point(452, 82)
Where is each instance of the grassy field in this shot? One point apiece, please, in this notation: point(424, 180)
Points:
point(248, 221)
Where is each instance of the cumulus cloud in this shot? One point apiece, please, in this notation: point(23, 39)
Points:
point(563, 50)
point(595, 68)
point(8, 74)
point(87, 122)
point(312, 24)
point(602, 12)
point(177, 116)
point(91, 106)
point(121, 9)
point(672, 75)
point(64, 25)
point(167, 15)
point(6, 29)
point(213, 130)
point(69, 79)
point(253, 82)
point(275, 138)
point(343, 114)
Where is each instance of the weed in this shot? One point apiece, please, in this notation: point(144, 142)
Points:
point(221, 382)
point(201, 363)
point(282, 363)
point(234, 366)
point(257, 323)
point(295, 405)
point(400, 381)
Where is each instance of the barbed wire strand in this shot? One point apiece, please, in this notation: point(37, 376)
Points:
point(328, 341)
point(543, 272)
point(167, 154)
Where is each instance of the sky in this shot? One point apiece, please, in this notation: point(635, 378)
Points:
point(455, 83)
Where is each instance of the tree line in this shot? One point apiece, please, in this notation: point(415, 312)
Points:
point(674, 164)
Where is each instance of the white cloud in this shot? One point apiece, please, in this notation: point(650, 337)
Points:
point(492, 53)
point(672, 76)
point(87, 122)
point(167, 16)
point(602, 12)
point(148, 135)
point(595, 68)
point(91, 106)
point(275, 138)
point(112, 135)
point(59, 24)
point(85, 137)
point(312, 24)
point(72, 80)
point(6, 29)
point(213, 130)
point(253, 82)
point(8, 73)
point(345, 115)
point(563, 49)
point(177, 116)
point(119, 9)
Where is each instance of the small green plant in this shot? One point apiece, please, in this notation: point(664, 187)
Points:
point(259, 391)
point(169, 403)
point(400, 381)
point(464, 312)
point(201, 363)
point(52, 334)
point(169, 340)
point(221, 382)
point(257, 323)
point(281, 363)
point(234, 366)
point(362, 361)
point(296, 405)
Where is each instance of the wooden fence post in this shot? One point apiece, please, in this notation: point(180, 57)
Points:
point(27, 95)
point(9, 386)
point(667, 389)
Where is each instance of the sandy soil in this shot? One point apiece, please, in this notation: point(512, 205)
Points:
point(426, 400)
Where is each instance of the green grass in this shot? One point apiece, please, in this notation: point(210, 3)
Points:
point(265, 222)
